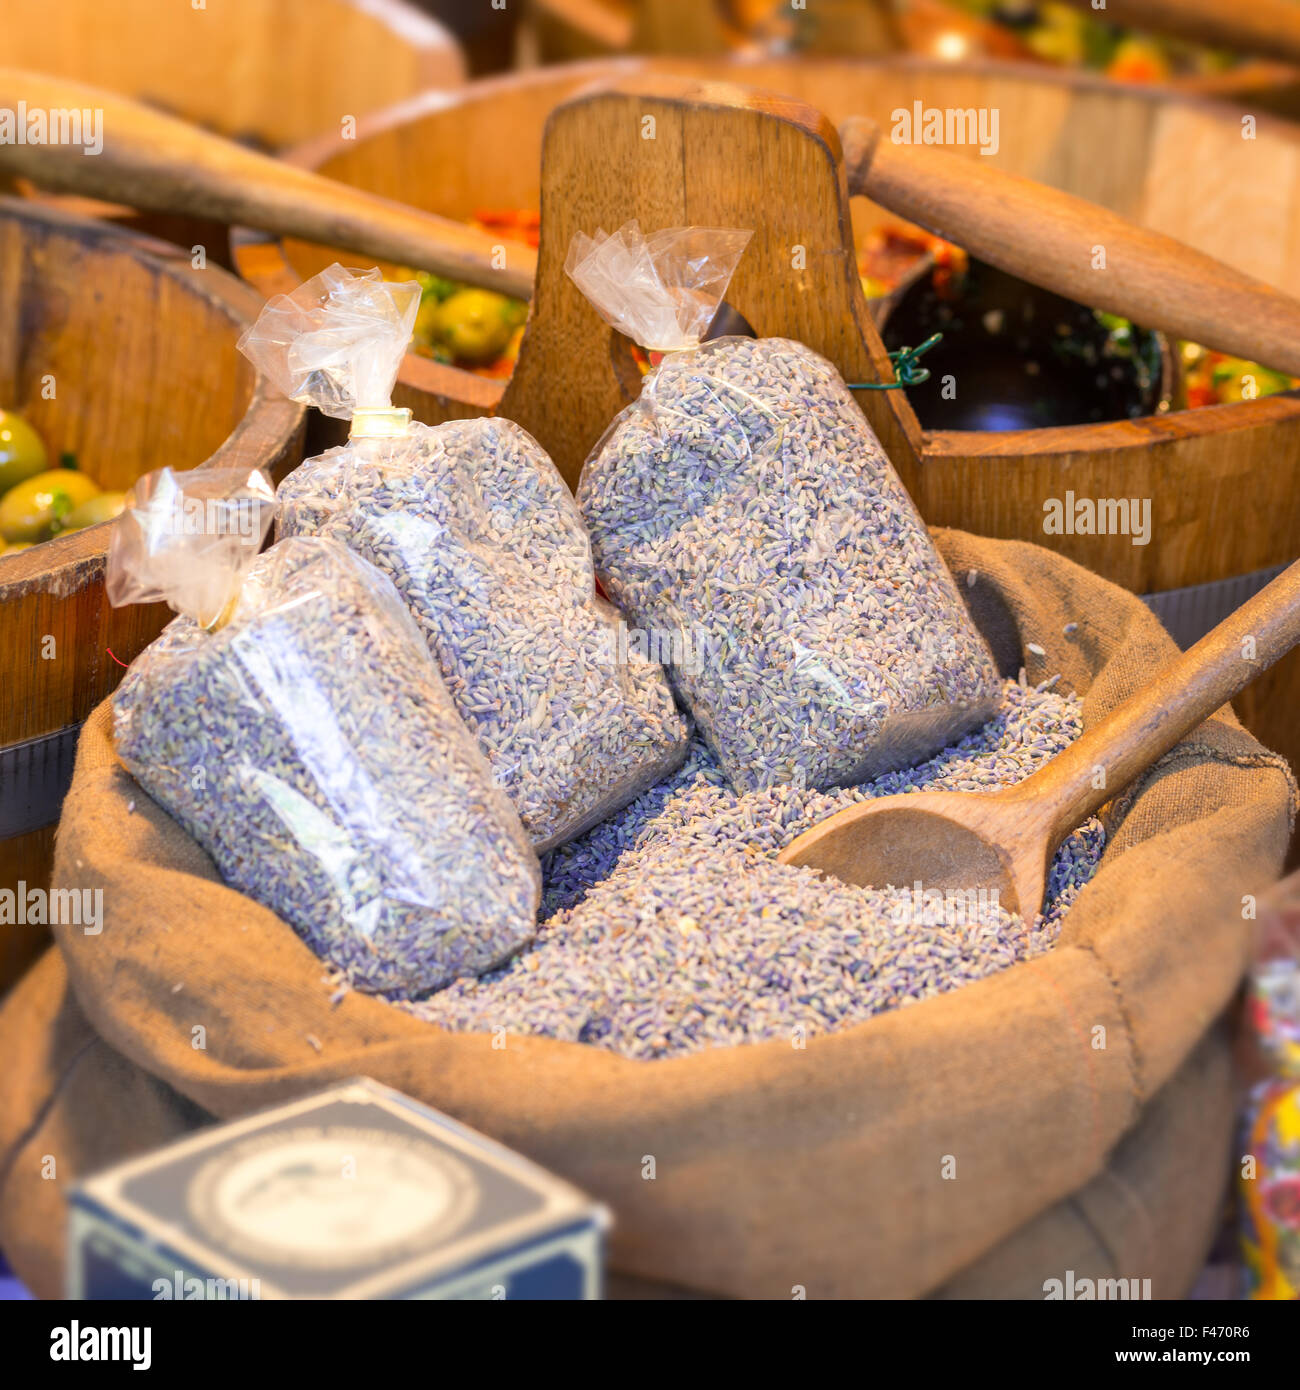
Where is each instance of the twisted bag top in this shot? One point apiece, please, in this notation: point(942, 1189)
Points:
point(744, 501)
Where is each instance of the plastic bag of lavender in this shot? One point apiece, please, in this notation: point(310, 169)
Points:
point(480, 536)
point(485, 544)
point(744, 504)
point(311, 748)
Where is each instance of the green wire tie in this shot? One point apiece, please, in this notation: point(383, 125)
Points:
point(907, 369)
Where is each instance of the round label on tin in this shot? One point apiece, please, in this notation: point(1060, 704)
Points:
point(327, 1197)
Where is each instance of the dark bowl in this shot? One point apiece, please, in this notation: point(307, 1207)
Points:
point(1016, 357)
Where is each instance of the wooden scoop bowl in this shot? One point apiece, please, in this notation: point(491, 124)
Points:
point(1005, 840)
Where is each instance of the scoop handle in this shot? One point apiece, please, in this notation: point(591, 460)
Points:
point(1265, 28)
point(155, 162)
point(1056, 241)
point(1140, 731)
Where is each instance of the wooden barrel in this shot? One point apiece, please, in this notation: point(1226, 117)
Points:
point(270, 72)
point(273, 71)
point(118, 352)
point(1221, 480)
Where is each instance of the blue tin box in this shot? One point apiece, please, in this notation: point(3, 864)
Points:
point(355, 1192)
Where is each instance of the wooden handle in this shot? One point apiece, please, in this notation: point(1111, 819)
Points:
point(1056, 241)
point(155, 162)
point(1147, 725)
point(1266, 28)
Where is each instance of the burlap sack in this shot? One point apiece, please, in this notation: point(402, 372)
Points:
point(774, 1168)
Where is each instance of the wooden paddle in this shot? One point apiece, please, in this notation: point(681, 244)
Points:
point(161, 164)
point(1265, 28)
point(1005, 840)
point(1052, 238)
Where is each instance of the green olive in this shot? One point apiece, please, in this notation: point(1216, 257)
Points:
point(475, 325)
point(104, 506)
point(22, 454)
point(33, 509)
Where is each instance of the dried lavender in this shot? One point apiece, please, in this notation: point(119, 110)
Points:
point(482, 539)
point(674, 929)
point(312, 749)
point(744, 499)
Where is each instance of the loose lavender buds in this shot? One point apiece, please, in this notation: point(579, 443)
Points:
point(311, 747)
point(744, 502)
point(672, 927)
point(483, 541)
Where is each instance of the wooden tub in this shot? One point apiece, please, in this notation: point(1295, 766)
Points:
point(1225, 508)
point(272, 71)
point(269, 72)
point(139, 352)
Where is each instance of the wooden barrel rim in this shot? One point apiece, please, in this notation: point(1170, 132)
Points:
point(268, 423)
point(1256, 77)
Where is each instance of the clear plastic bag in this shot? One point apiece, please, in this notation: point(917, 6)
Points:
point(743, 507)
point(337, 341)
point(188, 539)
point(662, 291)
point(483, 541)
point(307, 742)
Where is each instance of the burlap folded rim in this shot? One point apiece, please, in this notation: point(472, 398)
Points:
point(773, 1168)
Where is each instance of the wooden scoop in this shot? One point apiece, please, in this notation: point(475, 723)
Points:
point(1005, 840)
point(161, 164)
point(1049, 238)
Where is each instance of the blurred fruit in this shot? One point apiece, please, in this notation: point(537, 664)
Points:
point(472, 328)
point(22, 453)
point(517, 223)
point(15, 548)
point(502, 366)
point(476, 325)
point(435, 287)
point(1138, 60)
point(1237, 380)
point(32, 510)
point(104, 506)
point(1212, 378)
point(1058, 33)
point(1060, 37)
point(427, 318)
point(892, 252)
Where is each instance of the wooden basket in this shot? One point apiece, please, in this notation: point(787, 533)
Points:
point(140, 352)
point(1225, 508)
